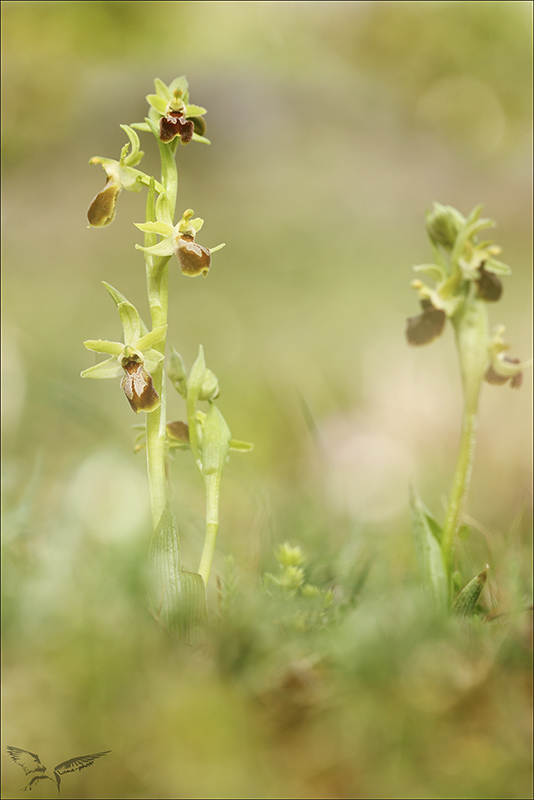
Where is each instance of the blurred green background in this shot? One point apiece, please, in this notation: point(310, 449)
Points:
point(334, 125)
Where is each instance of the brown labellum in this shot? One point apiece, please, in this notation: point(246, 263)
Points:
point(194, 259)
point(426, 327)
point(489, 286)
point(102, 209)
point(174, 124)
point(139, 387)
point(492, 376)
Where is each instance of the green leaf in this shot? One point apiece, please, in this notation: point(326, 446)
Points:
point(429, 555)
point(193, 616)
point(165, 570)
point(216, 439)
point(467, 599)
point(178, 597)
point(240, 447)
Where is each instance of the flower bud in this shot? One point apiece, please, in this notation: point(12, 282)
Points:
point(138, 385)
point(102, 210)
point(443, 224)
point(176, 372)
point(194, 259)
point(210, 386)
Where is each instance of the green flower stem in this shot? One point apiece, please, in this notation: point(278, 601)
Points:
point(155, 447)
point(212, 484)
point(471, 328)
point(157, 276)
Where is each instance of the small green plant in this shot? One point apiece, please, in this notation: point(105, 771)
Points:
point(303, 605)
point(467, 277)
point(178, 596)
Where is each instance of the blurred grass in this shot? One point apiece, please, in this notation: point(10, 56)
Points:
point(334, 126)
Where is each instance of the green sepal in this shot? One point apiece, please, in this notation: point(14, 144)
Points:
point(497, 267)
point(434, 271)
point(466, 601)
point(106, 369)
point(180, 83)
point(429, 555)
point(119, 298)
point(130, 320)
point(198, 138)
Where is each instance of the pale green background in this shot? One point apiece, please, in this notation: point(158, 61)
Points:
point(334, 125)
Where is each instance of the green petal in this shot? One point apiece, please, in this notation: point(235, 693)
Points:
point(196, 111)
point(157, 102)
point(163, 248)
point(155, 227)
point(197, 138)
point(103, 346)
point(106, 369)
point(149, 339)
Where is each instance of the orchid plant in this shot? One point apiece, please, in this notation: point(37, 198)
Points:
point(178, 596)
point(467, 279)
